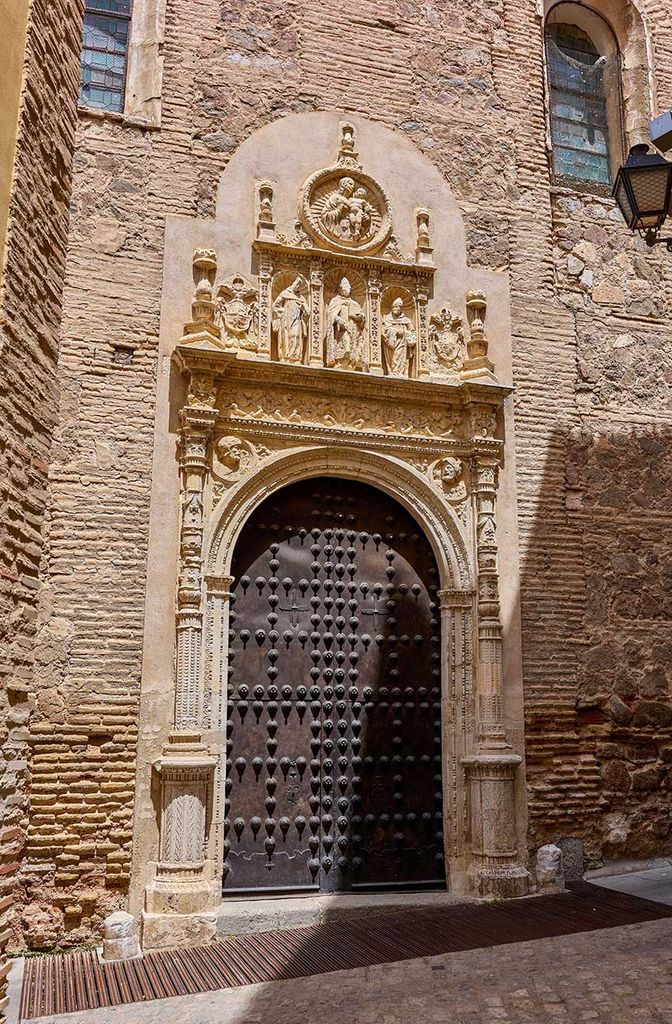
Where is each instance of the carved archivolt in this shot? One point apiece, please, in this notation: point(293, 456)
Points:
point(391, 475)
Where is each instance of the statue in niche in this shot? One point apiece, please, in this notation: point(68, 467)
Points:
point(290, 322)
point(345, 337)
point(446, 340)
point(399, 340)
point(237, 312)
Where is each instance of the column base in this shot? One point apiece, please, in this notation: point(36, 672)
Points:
point(496, 871)
point(180, 889)
point(165, 931)
point(499, 883)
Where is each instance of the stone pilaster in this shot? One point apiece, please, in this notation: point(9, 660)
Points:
point(316, 357)
point(422, 369)
point(374, 287)
point(265, 302)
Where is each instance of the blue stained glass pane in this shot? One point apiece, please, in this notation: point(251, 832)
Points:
point(103, 99)
point(105, 33)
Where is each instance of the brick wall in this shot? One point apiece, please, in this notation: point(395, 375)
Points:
point(465, 82)
point(30, 312)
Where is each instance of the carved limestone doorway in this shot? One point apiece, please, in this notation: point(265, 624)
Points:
point(334, 766)
point(334, 331)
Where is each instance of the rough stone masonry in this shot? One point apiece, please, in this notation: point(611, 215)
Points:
point(592, 369)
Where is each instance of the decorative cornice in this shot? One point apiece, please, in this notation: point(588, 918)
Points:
point(335, 382)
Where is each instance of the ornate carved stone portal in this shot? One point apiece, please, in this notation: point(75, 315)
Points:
point(338, 348)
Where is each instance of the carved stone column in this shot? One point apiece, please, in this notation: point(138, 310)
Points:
point(316, 326)
point(495, 868)
point(182, 884)
point(374, 287)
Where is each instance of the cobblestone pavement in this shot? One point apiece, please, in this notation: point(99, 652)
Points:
point(614, 976)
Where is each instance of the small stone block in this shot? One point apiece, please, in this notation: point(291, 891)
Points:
point(120, 937)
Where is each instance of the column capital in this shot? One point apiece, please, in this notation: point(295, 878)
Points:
point(454, 597)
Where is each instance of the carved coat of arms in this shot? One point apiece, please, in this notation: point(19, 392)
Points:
point(238, 311)
point(446, 339)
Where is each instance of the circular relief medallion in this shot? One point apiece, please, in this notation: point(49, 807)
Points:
point(347, 209)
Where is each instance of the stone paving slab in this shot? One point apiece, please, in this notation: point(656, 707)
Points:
point(651, 883)
point(612, 976)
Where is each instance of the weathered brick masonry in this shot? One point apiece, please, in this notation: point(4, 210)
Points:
point(30, 312)
point(592, 367)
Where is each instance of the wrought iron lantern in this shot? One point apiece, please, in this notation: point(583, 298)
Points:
point(642, 191)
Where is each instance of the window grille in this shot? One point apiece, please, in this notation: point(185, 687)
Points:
point(107, 26)
point(585, 107)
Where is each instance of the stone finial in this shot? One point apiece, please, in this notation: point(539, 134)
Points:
point(423, 248)
point(549, 867)
point(265, 217)
point(205, 269)
point(477, 363)
point(202, 327)
point(347, 154)
point(120, 937)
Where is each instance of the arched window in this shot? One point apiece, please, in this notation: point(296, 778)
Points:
point(585, 96)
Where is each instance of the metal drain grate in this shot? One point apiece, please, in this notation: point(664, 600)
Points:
point(78, 981)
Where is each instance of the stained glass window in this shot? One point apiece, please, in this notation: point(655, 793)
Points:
point(107, 26)
point(584, 87)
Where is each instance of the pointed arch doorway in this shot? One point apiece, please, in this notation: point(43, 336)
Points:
point(334, 760)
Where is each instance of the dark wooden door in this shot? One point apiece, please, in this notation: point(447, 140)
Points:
point(334, 700)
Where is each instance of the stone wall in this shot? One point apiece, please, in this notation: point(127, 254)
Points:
point(465, 82)
point(30, 308)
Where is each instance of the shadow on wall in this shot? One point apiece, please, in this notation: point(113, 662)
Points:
point(596, 602)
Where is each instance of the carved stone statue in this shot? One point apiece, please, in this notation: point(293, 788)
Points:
point(237, 311)
point(399, 340)
point(345, 337)
point(290, 322)
point(347, 212)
